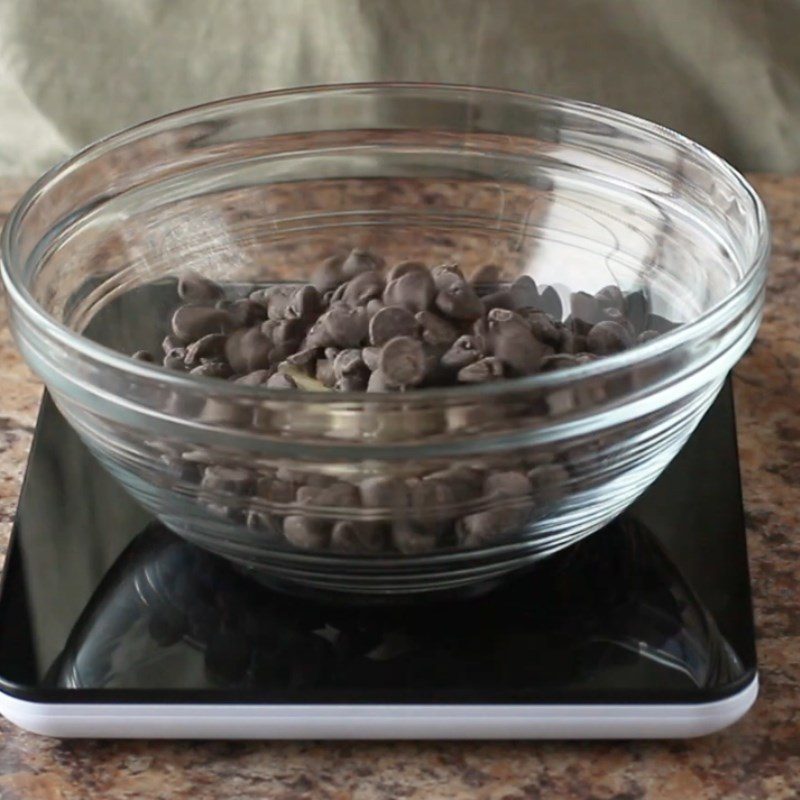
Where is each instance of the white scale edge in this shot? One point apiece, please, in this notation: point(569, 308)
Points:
point(341, 721)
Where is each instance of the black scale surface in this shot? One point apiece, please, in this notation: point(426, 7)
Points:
point(100, 603)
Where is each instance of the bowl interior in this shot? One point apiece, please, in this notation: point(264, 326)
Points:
point(261, 190)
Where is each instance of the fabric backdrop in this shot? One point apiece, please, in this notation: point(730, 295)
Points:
point(725, 72)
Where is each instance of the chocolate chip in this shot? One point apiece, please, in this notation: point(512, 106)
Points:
point(306, 303)
point(210, 346)
point(608, 337)
point(436, 331)
point(170, 342)
point(348, 362)
point(348, 327)
point(389, 322)
point(571, 342)
point(412, 539)
point(446, 275)
point(371, 357)
point(144, 355)
point(357, 537)
point(432, 494)
point(480, 330)
point(487, 369)
point(543, 328)
point(350, 371)
point(357, 382)
point(245, 313)
point(192, 322)
point(402, 361)
point(524, 293)
point(488, 274)
point(230, 480)
point(637, 307)
point(174, 359)
point(358, 262)
point(338, 293)
point(324, 372)
point(374, 306)
point(560, 361)
point(383, 491)
point(519, 350)
point(377, 382)
point(579, 326)
point(281, 381)
point(318, 335)
point(287, 473)
point(305, 533)
point(436, 374)
point(585, 308)
point(338, 494)
point(328, 275)
point(615, 315)
point(459, 301)
point(550, 303)
point(490, 526)
point(248, 350)
point(217, 411)
point(256, 378)
point(307, 495)
point(199, 456)
point(465, 350)
point(268, 327)
point(413, 290)
point(233, 351)
point(305, 359)
point(499, 299)
point(465, 482)
point(276, 490)
point(194, 288)
point(404, 268)
point(611, 297)
point(279, 301)
point(261, 295)
point(549, 481)
point(287, 335)
point(363, 288)
point(262, 522)
point(506, 484)
point(661, 324)
point(499, 319)
point(213, 369)
point(513, 343)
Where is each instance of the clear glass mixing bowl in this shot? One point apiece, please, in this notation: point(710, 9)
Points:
point(260, 189)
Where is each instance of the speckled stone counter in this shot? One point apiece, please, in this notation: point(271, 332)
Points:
point(758, 758)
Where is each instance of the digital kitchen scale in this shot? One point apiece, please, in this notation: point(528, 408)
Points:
point(110, 625)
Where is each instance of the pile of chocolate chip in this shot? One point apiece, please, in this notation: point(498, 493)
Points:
point(356, 327)
point(352, 328)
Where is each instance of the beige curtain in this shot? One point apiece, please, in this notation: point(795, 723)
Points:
point(725, 72)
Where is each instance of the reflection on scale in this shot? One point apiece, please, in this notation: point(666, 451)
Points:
point(613, 610)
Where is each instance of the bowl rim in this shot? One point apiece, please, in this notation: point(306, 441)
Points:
point(705, 324)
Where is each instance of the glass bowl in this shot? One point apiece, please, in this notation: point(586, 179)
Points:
point(260, 189)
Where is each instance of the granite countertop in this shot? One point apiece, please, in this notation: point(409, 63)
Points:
point(757, 758)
